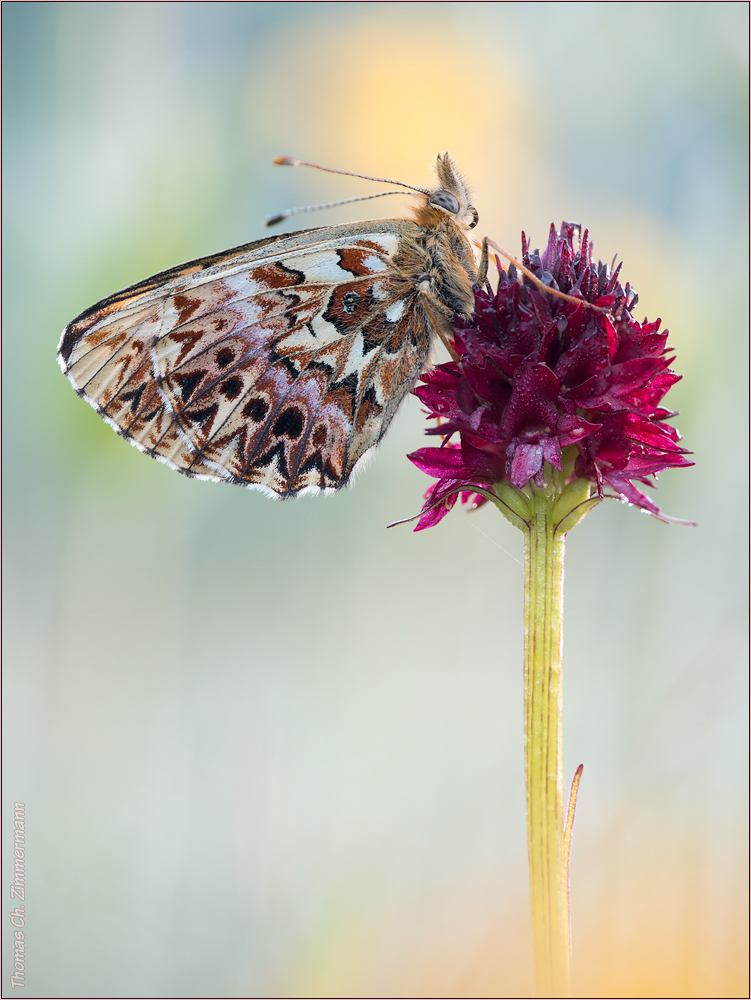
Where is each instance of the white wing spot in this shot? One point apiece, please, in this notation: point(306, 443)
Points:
point(373, 263)
point(396, 310)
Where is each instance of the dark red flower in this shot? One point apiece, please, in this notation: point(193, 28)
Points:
point(537, 374)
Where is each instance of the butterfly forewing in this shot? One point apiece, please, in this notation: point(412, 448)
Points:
point(278, 367)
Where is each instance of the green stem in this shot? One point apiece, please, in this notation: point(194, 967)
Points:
point(545, 515)
point(543, 747)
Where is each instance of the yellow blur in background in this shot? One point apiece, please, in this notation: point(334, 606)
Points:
point(272, 749)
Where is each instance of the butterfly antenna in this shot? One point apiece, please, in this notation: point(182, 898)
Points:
point(281, 216)
point(291, 161)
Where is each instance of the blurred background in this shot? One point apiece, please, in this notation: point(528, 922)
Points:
point(273, 749)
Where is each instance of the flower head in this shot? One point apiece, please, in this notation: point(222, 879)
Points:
point(543, 379)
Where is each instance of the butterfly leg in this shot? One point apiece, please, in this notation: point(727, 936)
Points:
point(482, 271)
point(541, 284)
point(441, 318)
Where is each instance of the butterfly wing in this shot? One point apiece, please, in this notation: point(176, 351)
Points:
point(277, 365)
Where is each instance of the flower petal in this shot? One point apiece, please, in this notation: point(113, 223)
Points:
point(537, 374)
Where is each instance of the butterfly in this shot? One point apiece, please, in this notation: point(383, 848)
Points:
point(278, 365)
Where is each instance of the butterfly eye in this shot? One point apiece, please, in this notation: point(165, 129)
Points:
point(444, 200)
point(475, 217)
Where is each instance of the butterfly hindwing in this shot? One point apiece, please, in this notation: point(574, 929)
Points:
point(276, 366)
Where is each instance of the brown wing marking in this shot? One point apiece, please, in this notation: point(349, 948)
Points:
point(216, 410)
point(272, 391)
point(110, 365)
point(95, 348)
point(354, 413)
point(246, 376)
point(345, 415)
point(100, 363)
point(304, 441)
point(206, 379)
point(398, 362)
point(137, 411)
point(266, 397)
point(121, 302)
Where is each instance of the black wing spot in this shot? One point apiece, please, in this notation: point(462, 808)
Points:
point(225, 357)
point(69, 340)
point(315, 462)
point(232, 388)
point(202, 416)
point(188, 383)
point(290, 422)
point(134, 397)
point(256, 409)
point(277, 452)
point(288, 363)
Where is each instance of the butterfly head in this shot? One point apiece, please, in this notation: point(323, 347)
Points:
point(453, 197)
